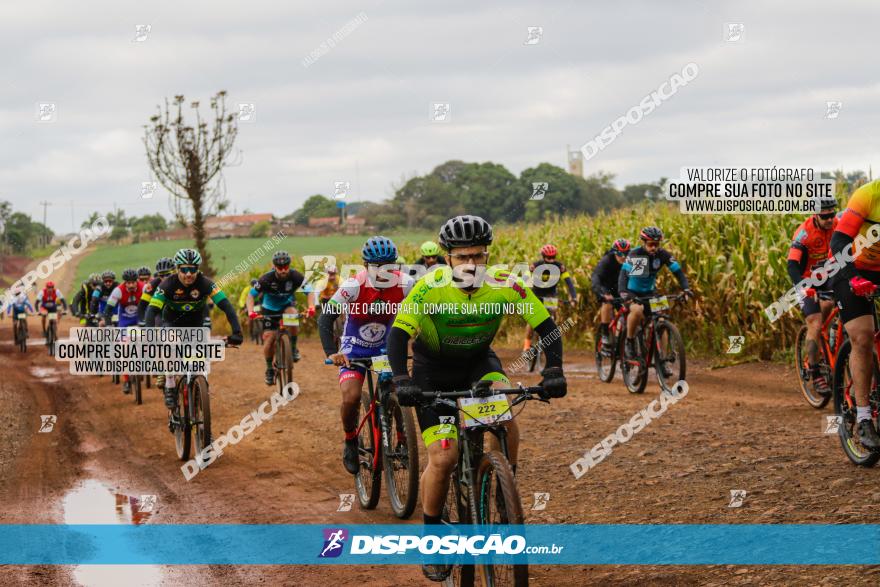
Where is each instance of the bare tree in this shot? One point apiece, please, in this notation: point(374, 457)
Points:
point(188, 161)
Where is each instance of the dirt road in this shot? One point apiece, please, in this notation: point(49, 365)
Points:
point(744, 428)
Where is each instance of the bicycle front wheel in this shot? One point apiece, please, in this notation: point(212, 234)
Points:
point(182, 426)
point(456, 510)
point(51, 337)
point(845, 408)
point(496, 501)
point(606, 358)
point(635, 371)
point(669, 357)
point(368, 481)
point(802, 366)
point(401, 459)
point(284, 361)
point(201, 411)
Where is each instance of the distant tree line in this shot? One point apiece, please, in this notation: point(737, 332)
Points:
point(488, 190)
point(20, 234)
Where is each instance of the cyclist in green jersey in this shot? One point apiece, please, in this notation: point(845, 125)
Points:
point(452, 351)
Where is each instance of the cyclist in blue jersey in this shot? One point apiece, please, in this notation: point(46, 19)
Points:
point(638, 278)
point(278, 288)
point(102, 293)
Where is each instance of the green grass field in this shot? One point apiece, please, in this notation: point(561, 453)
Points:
point(227, 253)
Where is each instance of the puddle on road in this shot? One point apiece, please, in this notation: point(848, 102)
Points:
point(46, 374)
point(94, 503)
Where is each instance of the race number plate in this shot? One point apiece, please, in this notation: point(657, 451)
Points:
point(481, 411)
point(22, 316)
point(551, 303)
point(53, 316)
point(290, 320)
point(381, 364)
point(659, 304)
point(257, 309)
point(114, 318)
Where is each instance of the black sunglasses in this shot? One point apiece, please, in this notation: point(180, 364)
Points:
point(827, 216)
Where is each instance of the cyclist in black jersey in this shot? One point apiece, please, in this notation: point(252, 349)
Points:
point(604, 284)
point(548, 272)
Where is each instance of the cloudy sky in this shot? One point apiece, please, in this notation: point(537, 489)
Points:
point(361, 111)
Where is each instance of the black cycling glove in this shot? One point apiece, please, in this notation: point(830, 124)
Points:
point(553, 383)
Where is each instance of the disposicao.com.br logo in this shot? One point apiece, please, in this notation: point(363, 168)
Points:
point(430, 544)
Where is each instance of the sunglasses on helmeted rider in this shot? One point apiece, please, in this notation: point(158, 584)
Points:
point(827, 216)
point(188, 269)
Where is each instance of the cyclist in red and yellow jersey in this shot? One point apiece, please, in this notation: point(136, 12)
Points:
point(852, 283)
point(810, 248)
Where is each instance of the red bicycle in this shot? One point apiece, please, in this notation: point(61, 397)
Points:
point(831, 338)
point(387, 440)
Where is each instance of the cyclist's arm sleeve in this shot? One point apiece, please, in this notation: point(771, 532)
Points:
point(795, 270)
point(676, 269)
point(77, 301)
point(623, 276)
point(63, 301)
point(326, 318)
point(848, 227)
point(110, 306)
point(398, 342)
point(38, 300)
point(226, 307)
point(596, 277)
point(551, 342)
point(143, 304)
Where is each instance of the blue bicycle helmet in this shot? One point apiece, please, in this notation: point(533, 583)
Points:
point(379, 249)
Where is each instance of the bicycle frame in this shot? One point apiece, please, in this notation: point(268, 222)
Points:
point(374, 414)
point(649, 328)
point(825, 337)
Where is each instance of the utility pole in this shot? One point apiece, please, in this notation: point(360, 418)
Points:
point(45, 238)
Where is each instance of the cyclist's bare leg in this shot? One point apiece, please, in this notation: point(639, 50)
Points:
point(634, 319)
point(861, 335)
point(606, 313)
point(351, 398)
point(814, 327)
point(43, 320)
point(435, 478)
point(268, 344)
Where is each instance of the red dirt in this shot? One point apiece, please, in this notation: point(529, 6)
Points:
point(744, 427)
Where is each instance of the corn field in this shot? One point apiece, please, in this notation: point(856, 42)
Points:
point(736, 265)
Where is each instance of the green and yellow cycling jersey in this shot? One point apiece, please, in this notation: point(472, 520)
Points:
point(450, 322)
point(175, 297)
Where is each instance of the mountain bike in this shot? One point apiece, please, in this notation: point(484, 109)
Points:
point(52, 331)
point(21, 331)
point(282, 360)
point(831, 337)
point(845, 399)
point(607, 356)
point(657, 340)
point(483, 489)
point(384, 421)
point(191, 417)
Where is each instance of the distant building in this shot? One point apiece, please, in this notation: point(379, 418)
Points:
point(240, 225)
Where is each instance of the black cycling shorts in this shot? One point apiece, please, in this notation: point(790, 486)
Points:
point(441, 422)
point(852, 306)
point(810, 305)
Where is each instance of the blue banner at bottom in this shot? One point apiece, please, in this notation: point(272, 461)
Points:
point(274, 544)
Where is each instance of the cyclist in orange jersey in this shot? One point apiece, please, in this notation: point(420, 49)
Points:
point(810, 248)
